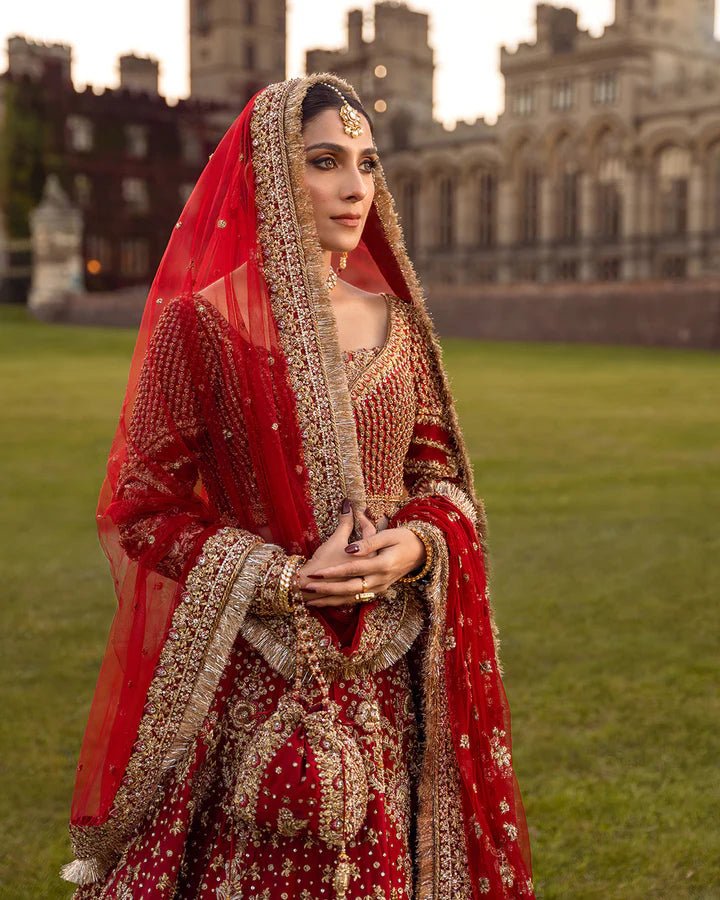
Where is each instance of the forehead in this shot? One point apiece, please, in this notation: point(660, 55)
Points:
point(328, 126)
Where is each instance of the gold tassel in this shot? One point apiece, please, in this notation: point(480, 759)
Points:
point(341, 881)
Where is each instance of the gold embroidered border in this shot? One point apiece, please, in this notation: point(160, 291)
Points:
point(292, 265)
point(390, 628)
point(440, 841)
point(219, 590)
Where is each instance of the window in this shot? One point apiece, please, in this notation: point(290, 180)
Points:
point(486, 186)
point(136, 140)
point(529, 207)
point(83, 190)
point(250, 12)
point(673, 172)
point(523, 101)
point(99, 251)
point(408, 200)
point(608, 204)
point(566, 270)
point(568, 207)
point(605, 88)
point(446, 212)
point(250, 58)
point(134, 257)
point(673, 267)
point(563, 95)
point(79, 134)
point(609, 269)
point(202, 16)
point(191, 146)
point(135, 194)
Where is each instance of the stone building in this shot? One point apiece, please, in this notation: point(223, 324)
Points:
point(604, 165)
point(125, 157)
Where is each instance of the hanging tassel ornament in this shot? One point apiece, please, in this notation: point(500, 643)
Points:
point(341, 881)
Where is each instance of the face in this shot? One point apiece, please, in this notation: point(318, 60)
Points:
point(339, 178)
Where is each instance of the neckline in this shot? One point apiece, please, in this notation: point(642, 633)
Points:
point(388, 329)
point(381, 348)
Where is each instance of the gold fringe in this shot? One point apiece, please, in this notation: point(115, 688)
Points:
point(243, 586)
point(341, 409)
point(432, 666)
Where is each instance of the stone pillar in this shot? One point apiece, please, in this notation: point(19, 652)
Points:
point(643, 221)
point(56, 227)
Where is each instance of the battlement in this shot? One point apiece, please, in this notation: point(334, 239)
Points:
point(35, 58)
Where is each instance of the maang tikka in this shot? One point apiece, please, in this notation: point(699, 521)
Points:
point(350, 117)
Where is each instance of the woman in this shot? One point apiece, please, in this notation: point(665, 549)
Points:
point(301, 695)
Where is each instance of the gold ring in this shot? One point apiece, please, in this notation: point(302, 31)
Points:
point(362, 581)
point(365, 596)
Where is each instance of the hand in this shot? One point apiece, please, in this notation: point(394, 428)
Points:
point(332, 551)
point(382, 558)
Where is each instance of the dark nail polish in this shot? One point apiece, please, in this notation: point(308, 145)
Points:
point(345, 506)
point(310, 590)
point(367, 511)
point(352, 548)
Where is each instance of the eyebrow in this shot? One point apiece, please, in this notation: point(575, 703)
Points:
point(338, 148)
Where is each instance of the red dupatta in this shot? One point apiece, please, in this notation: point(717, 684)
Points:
point(237, 360)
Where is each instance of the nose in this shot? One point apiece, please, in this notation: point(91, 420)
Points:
point(354, 186)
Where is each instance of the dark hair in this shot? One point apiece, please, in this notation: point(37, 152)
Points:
point(320, 97)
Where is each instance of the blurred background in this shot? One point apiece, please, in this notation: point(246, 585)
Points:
point(556, 170)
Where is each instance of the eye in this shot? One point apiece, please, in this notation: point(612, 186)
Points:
point(371, 163)
point(324, 159)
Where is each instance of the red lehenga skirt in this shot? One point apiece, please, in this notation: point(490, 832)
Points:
point(191, 846)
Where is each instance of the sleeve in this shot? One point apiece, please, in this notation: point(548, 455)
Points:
point(432, 464)
point(432, 455)
point(163, 516)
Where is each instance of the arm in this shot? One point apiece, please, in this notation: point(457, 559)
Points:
point(163, 516)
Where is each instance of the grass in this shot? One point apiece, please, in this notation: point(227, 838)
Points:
point(600, 468)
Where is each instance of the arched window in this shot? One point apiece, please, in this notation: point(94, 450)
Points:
point(608, 197)
point(528, 226)
point(566, 193)
point(486, 187)
point(672, 175)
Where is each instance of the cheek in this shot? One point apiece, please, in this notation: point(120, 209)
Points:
point(318, 193)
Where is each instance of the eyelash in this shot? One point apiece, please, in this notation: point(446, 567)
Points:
point(373, 163)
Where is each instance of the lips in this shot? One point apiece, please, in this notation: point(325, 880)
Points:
point(349, 219)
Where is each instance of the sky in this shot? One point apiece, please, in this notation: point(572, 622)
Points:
point(465, 34)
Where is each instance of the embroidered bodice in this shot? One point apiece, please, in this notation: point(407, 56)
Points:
point(401, 425)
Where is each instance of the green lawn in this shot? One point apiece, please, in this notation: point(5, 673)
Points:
point(600, 468)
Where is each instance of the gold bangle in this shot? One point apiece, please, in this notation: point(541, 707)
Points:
point(429, 553)
point(282, 597)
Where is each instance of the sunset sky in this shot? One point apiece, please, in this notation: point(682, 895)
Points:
point(466, 38)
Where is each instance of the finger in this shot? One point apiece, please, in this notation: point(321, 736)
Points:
point(367, 566)
point(338, 602)
point(375, 542)
point(348, 587)
point(367, 526)
point(345, 520)
point(382, 523)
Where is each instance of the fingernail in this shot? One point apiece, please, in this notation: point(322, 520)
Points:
point(345, 506)
point(352, 548)
point(311, 590)
point(367, 511)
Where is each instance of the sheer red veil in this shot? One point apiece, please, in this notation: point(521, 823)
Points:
point(271, 408)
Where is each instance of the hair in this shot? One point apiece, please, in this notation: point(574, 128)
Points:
point(320, 97)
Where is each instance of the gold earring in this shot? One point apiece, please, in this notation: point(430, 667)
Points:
point(343, 261)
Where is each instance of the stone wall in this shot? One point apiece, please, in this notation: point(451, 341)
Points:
point(652, 313)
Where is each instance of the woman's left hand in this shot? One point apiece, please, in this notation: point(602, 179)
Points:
point(381, 558)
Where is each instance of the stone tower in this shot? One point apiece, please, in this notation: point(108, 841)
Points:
point(686, 21)
point(393, 72)
point(236, 48)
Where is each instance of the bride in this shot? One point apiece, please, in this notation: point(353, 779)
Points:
point(301, 695)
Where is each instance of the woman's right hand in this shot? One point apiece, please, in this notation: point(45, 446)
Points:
point(332, 551)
